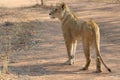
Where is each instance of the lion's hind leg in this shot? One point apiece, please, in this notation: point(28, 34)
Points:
point(86, 48)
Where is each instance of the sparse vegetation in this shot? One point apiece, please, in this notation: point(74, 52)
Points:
point(19, 37)
point(22, 28)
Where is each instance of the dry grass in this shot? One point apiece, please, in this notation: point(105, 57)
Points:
point(17, 33)
point(14, 38)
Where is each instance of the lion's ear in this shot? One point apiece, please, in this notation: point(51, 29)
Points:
point(63, 5)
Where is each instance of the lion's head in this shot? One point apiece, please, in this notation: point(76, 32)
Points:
point(58, 11)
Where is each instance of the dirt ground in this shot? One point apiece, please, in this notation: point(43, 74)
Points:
point(45, 60)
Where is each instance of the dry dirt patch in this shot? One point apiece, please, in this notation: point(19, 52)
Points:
point(45, 60)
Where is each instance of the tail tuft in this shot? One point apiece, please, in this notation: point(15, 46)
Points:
point(109, 70)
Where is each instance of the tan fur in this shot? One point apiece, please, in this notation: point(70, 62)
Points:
point(74, 30)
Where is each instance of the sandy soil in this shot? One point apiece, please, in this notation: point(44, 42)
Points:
point(45, 60)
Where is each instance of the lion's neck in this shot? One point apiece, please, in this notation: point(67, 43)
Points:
point(65, 18)
point(67, 15)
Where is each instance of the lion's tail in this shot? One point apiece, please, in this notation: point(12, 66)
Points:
point(95, 29)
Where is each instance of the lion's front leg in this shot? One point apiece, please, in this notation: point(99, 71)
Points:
point(71, 49)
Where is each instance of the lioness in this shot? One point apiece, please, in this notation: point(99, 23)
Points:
point(75, 29)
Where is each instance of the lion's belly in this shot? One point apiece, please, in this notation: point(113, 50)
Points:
point(79, 38)
point(76, 32)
